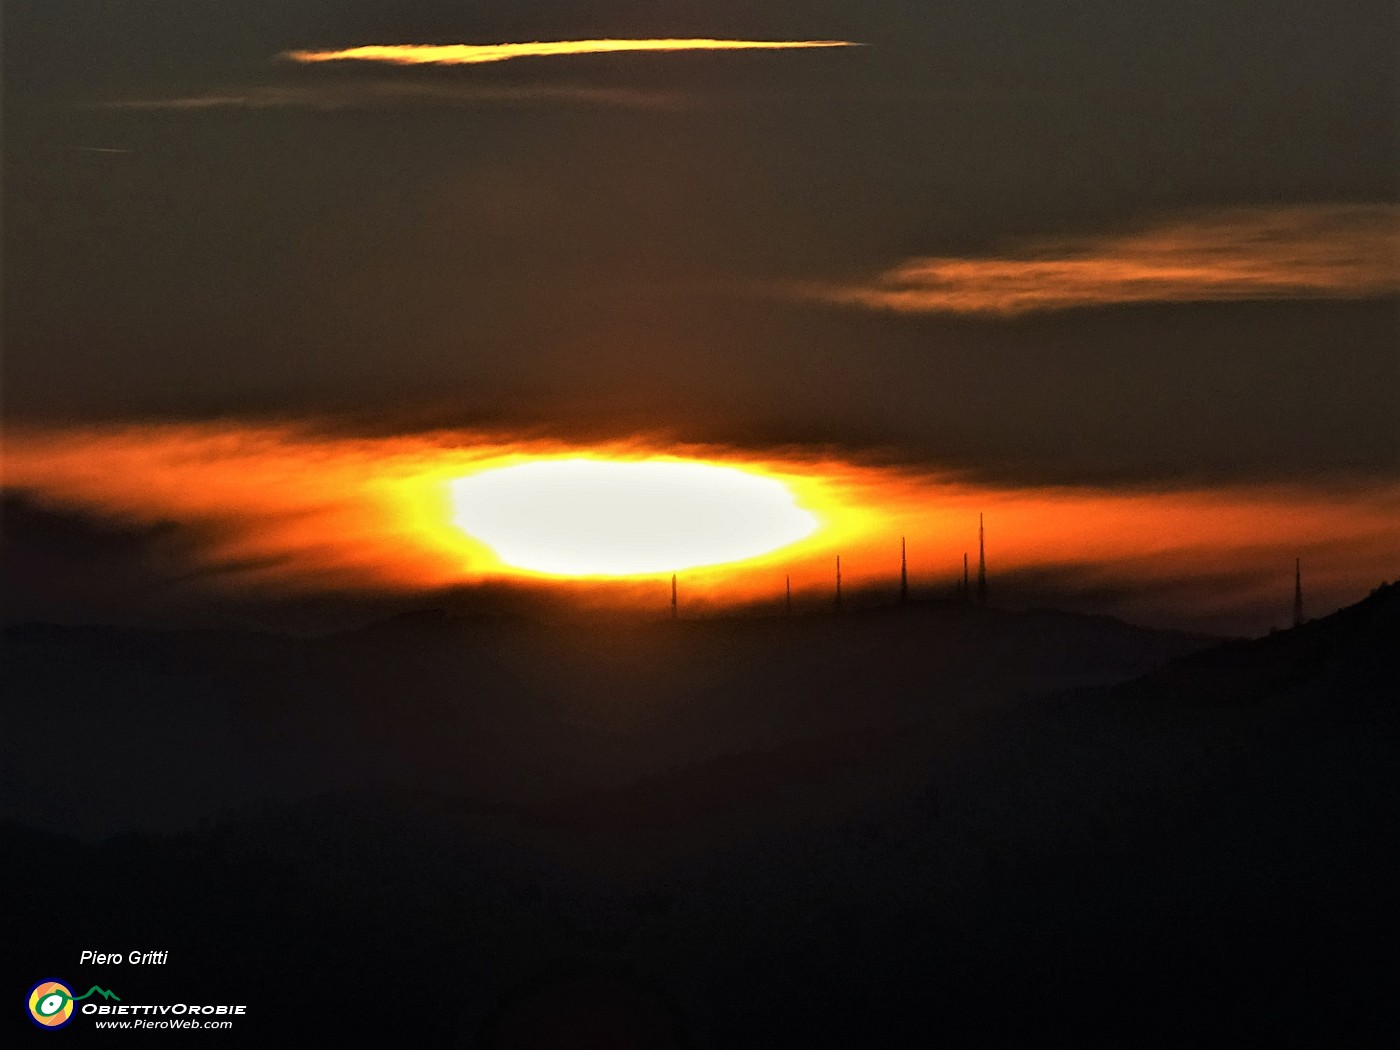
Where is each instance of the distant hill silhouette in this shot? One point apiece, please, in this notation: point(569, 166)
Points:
point(161, 729)
point(1175, 845)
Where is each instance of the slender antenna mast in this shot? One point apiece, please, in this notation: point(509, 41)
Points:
point(674, 613)
point(903, 572)
point(838, 583)
point(1297, 592)
point(981, 562)
point(966, 592)
point(787, 580)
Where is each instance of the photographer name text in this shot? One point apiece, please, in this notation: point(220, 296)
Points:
point(136, 958)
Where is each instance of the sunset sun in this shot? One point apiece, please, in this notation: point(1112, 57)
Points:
point(589, 517)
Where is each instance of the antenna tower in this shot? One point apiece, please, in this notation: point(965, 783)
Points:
point(981, 562)
point(903, 572)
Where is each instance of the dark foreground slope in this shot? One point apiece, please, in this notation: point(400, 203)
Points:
point(1201, 856)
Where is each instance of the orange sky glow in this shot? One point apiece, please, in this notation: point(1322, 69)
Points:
point(294, 510)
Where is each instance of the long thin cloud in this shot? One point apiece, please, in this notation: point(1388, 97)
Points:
point(390, 94)
point(1299, 252)
point(469, 54)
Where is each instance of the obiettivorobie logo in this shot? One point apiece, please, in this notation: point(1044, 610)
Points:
point(51, 1002)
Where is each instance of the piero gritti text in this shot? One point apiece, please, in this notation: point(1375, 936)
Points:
point(133, 958)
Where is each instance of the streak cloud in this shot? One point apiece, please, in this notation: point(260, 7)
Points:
point(1321, 251)
point(386, 94)
point(472, 54)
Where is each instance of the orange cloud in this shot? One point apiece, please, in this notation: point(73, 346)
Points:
point(1301, 252)
point(471, 54)
point(281, 510)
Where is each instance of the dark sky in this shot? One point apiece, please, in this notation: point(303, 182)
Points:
point(602, 242)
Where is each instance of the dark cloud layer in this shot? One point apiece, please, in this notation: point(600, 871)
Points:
point(56, 564)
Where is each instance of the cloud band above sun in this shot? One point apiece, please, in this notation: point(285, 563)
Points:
point(471, 54)
point(1347, 251)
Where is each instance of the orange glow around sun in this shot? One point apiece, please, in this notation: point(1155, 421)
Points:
point(282, 510)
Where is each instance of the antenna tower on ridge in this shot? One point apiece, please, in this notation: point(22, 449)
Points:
point(981, 562)
point(903, 572)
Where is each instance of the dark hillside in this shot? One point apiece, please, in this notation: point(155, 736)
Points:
point(1204, 855)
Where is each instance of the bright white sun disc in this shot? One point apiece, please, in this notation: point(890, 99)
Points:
point(586, 517)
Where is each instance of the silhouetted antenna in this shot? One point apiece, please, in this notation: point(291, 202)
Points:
point(838, 583)
point(1297, 592)
point(981, 562)
point(903, 572)
point(966, 592)
point(787, 580)
point(674, 613)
